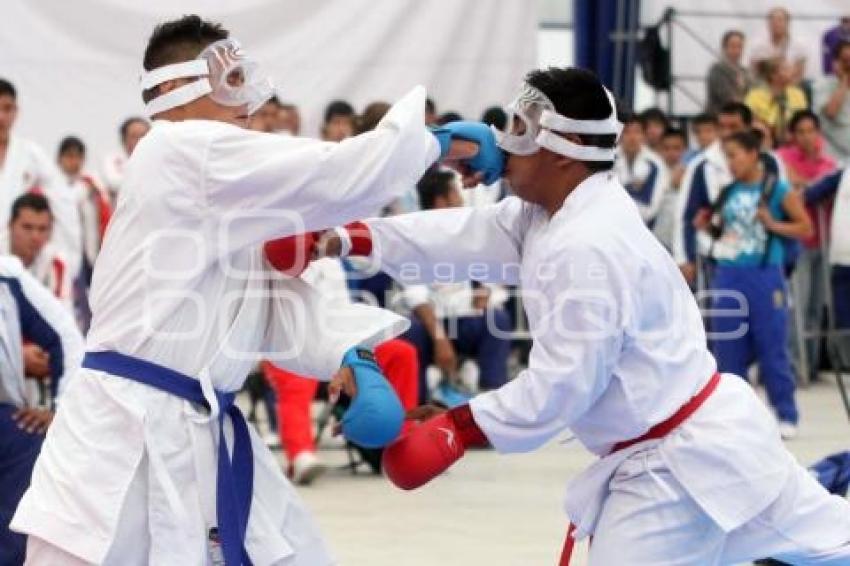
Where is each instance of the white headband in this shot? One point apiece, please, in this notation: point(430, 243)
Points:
point(193, 68)
point(551, 122)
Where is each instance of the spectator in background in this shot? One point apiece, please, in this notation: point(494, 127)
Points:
point(31, 315)
point(779, 45)
point(832, 38)
point(372, 114)
point(704, 130)
point(446, 117)
point(805, 163)
point(295, 393)
point(777, 99)
point(430, 112)
point(131, 131)
point(654, 122)
point(265, 118)
point(835, 188)
point(30, 228)
point(288, 119)
point(495, 116)
point(339, 121)
point(704, 179)
point(728, 79)
point(24, 168)
point(94, 209)
point(756, 212)
point(673, 146)
point(640, 170)
point(459, 318)
point(832, 103)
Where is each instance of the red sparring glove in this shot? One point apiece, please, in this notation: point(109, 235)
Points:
point(359, 239)
point(292, 255)
point(430, 448)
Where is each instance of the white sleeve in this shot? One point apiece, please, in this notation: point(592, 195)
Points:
point(47, 323)
point(415, 296)
point(309, 332)
point(266, 186)
point(572, 357)
point(458, 244)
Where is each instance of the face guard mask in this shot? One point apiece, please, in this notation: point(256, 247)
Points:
point(538, 123)
point(223, 71)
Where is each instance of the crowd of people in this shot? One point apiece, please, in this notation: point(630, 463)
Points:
point(748, 195)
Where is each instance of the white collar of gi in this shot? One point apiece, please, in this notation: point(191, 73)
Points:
point(593, 187)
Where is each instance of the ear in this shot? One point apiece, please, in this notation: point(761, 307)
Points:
point(167, 86)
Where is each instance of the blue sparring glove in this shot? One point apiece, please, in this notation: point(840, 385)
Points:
point(375, 416)
point(490, 159)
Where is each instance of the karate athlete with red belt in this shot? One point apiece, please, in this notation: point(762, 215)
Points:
point(692, 469)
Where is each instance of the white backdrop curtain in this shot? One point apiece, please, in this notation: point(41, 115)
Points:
point(76, 63)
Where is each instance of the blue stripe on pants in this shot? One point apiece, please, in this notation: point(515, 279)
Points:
point(18, 453)
point(764, 317)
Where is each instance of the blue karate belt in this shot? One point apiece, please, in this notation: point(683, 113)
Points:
point(235, 478)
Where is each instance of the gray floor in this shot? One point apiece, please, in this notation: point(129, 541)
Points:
point(495, 510)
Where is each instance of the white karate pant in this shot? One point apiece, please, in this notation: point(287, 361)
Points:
point(132, 537)
point(649, 519)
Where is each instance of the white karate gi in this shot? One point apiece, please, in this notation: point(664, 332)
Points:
point(618, 347)
point(50, 269)
point(27, 168)
point(127, 473)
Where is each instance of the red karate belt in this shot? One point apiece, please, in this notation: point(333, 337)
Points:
point(660, 430)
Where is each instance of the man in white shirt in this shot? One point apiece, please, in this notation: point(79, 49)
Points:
point(779, 45)
point(130, 132)
point(449, 320)
point(640, 170)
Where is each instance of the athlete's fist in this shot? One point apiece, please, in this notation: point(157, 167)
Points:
point(430, 448)
point(488, 160)
point(292, 255)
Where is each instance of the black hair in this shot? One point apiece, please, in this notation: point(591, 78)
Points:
point(676, 133)
point(627, 117)
point(31, 201)
point(729, 35)
point(578, 94)
point(704, 118)
point(430, 106)
point(338, 108)
point(749, 139)
point(125, 125)
point(495, 116)
point(801, 115)
point(434, 184)
point(450, 116)
point(179, 40)
point(654, 114)
point(8, 89)
point(739, 109)
point(274, 100)
point(70, 143)
point(839, 47)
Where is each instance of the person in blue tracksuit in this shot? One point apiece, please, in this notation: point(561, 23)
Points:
point(28, 311)
point(835, 188)
point(747, 226)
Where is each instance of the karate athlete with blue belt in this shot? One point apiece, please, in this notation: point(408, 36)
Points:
point(148, 460)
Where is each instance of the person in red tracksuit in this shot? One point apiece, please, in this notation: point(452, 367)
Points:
point(397, 359)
